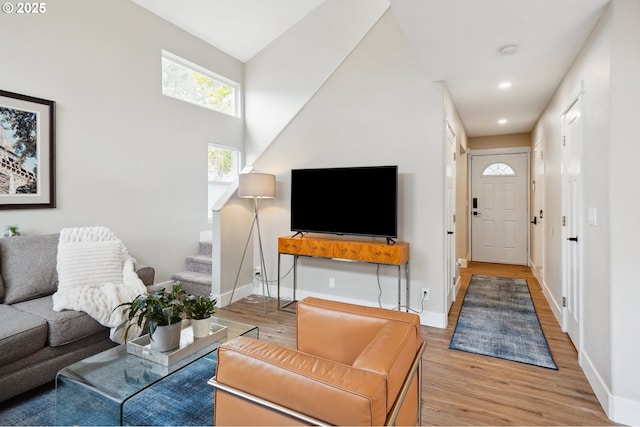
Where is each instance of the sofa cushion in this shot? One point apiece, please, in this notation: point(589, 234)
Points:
point(28, 266)
point(21, 334)
point(64, 326)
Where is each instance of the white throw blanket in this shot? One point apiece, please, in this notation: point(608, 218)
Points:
point(95, 275)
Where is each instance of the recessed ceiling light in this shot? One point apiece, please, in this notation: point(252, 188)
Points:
point(504, 85)
point(502, 121)
point(508, 50)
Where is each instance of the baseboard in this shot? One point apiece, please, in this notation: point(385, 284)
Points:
point(619, 409)
point(240, 292)
point(600, 389)
point(625, 411)
point(556, 307)
point(427, 318)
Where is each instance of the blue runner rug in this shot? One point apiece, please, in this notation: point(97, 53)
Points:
point(181, 399)
point(498, 319)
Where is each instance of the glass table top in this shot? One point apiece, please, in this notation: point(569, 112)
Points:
point(118, 375)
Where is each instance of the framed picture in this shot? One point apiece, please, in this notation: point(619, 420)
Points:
point(27, 152)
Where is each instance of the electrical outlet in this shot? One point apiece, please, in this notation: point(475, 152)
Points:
point(425, 294)
point(257, 271)
point(332, 282)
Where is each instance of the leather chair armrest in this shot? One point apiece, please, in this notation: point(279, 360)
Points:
point(332, 392)
point(390, 354)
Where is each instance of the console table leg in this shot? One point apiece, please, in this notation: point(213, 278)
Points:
point(406, 275)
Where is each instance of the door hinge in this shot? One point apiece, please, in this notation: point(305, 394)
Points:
point(564, 301)
point(564, 220)
point(564, 141)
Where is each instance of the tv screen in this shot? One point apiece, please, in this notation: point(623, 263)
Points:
point(354, 200)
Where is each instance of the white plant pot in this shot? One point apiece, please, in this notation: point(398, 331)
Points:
point(166, 338)
point(201, 327)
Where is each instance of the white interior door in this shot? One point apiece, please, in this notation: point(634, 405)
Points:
point(450, 215)
point(571, 222)
point(499, 208)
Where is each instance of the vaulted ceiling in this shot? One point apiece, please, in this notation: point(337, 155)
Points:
point(471, 45)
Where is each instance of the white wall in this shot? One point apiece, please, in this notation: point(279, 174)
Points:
point(608, 65)
point(128, 157)
point(282, 77)
point(591, 68)
point(376, 109)
point(624, 176)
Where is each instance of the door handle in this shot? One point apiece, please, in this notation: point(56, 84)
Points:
point(475, 213)
point(535, 220)
point(449, 232)
point(572, 239)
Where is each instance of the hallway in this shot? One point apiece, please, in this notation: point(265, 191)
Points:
point(467, 389)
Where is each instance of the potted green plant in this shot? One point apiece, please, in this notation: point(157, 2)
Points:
point(163, 311)
point(200, 309)
point(12, 230)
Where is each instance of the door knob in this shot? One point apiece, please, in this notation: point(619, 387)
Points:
point(572, 239)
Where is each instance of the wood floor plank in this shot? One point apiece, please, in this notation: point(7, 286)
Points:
point(468, 389)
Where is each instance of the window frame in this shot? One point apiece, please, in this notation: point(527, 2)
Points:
point(507, 169)
point(238, 162)
point(237, 88)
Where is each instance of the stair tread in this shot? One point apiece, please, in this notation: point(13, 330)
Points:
point(193, 276)
point(201, 258)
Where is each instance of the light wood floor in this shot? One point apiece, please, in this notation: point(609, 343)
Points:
point(466, 389)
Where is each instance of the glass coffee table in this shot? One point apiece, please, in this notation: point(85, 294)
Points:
point(96, 390)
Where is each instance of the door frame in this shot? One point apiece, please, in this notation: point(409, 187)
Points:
point(497, 151)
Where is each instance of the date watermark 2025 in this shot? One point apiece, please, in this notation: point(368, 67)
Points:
point(24, 8)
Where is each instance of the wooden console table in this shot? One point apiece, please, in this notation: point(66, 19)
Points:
point(345, 250)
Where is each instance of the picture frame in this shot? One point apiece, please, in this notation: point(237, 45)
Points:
point(27, 152)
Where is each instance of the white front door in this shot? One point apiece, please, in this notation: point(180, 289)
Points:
point(499, 213)
point(571, 222)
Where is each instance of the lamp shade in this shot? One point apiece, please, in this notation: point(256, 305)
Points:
point(257, 185)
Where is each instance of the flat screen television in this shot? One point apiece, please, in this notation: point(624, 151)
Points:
point(359, 201)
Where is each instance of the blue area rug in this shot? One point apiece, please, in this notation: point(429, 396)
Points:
point(498, 319)
point(182, 399)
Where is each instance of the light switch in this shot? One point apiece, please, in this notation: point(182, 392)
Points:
point(593, 216)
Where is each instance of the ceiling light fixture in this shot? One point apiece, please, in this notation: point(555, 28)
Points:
point(504, 85)
point(508, 50)
point(502, 121)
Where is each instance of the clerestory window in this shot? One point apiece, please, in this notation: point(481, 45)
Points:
point(192, 83)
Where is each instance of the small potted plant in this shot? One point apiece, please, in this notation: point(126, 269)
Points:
point(200, 309)
point(163, 311)
point(12, 230)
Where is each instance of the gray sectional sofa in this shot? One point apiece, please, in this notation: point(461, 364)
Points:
point(36, 341)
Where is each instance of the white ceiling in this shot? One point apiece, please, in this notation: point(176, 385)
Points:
point(456, 41)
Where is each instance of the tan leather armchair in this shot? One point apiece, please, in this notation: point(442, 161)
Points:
point(353, 365)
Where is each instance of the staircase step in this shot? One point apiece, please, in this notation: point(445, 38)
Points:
point(205, 247)
point(199, 263)
point(193, 282)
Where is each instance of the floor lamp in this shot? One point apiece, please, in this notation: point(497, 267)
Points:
point(256, 186)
